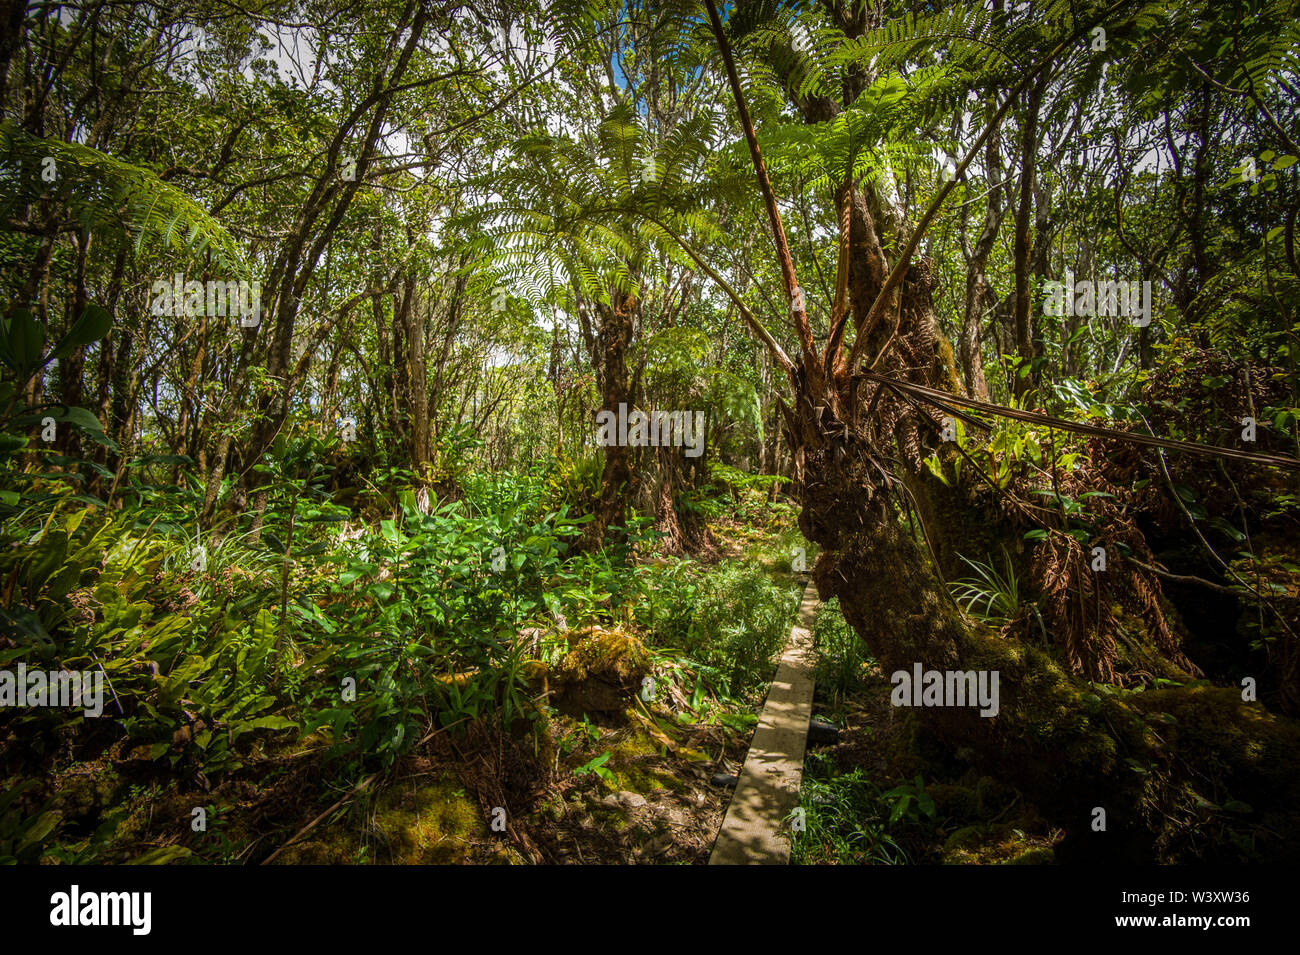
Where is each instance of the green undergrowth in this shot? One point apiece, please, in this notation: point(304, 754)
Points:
point(879, 798)
point(227, 652)
point(853, 815)
point(841, 655)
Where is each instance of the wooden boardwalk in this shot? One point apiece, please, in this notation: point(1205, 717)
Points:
point(756, 830)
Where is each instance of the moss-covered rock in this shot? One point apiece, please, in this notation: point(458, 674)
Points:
point(601, 673)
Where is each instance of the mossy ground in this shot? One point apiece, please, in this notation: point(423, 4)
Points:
point(881, 754)
point(1190, 773)
point(416, 820)
point(652, 800)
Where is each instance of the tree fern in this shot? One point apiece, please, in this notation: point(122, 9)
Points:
point(590, 214)
point(109, 195)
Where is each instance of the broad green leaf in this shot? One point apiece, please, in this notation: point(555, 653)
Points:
point(95, 322)
point(25, 339)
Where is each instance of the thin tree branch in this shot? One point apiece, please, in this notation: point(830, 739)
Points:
point(798, 310)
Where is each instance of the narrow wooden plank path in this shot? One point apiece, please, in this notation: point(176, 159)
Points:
point(756, 830)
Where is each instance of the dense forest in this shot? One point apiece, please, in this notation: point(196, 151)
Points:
point(419, 421)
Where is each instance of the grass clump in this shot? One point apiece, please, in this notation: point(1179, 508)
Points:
point(841, 654)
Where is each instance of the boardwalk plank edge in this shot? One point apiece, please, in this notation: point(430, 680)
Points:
point(756, 830)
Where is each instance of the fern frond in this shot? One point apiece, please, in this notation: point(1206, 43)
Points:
point(109, 195)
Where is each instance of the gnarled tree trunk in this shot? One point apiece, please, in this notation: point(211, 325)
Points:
point(1068, 750)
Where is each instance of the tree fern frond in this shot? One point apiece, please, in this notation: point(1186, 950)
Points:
point(109, 195)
